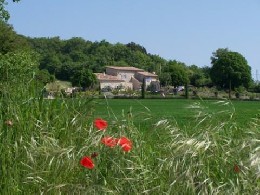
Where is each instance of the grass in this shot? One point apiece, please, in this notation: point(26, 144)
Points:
point(184, 112)
point(58, 85)
point(179, 147)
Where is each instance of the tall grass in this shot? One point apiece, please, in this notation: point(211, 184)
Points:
point(41, 150)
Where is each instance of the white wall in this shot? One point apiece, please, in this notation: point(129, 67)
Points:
point(115, 84)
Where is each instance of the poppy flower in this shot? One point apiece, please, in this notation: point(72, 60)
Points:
point(126, 147)
point(109, 141)
point(125, 143)
point(236, 169)
point(124, 140)
point(87, 162)
point(100, 124)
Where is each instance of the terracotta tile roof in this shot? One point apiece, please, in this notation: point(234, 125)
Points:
point(147, 74)
point(125, 68)
point(106, 77)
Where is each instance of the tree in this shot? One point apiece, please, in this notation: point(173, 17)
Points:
point(83, 77)
point(4, 15)
point(198, 76)
point(136, 47)
point(64, 71)
point(230, 70)
point(43, 76)
point(178, 72)
point(50, 62)
point(10, 41)
point(165, 78)
point(195, 76)
point(143, 88)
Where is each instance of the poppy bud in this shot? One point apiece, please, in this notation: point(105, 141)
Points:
point(94, 155)
point(236, 168)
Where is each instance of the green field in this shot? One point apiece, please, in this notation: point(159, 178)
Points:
point(178, 146)
point(184, 112)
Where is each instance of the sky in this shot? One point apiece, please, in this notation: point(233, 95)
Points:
point(188, 31)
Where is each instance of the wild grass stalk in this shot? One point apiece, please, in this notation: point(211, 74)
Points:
point(41, 150)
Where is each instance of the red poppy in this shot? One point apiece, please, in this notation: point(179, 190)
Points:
point(100, 124)
point(236, 169)
point(109, 141)
point(87, 162)
point(126, 147)
point(124, 140)
point(125, 143)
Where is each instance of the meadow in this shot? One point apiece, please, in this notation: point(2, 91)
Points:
point(177, 146)
point(185, 112)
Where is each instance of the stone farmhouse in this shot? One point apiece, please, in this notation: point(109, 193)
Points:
point(124, 78)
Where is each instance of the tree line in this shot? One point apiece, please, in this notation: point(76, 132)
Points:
point(76, 60)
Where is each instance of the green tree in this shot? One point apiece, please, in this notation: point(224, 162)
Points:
point(230, 69)
point(43, 76)
point(198, 76)
point(136, 47)
point(195, 75)
point(51, 62)
point(76, 48)
point(4, 15)
point(165, 78)
point(64, 72)
point(178, 72)
point(10, 41)
point(83, 77)
point(157, 64)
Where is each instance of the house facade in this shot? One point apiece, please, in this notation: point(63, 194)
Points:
point(148, 77)
point(117, 77)
point(109, 81)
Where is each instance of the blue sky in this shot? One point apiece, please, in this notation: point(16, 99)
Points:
point(184, 30)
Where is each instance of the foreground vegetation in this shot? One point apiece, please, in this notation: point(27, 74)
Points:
point(179, 147)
